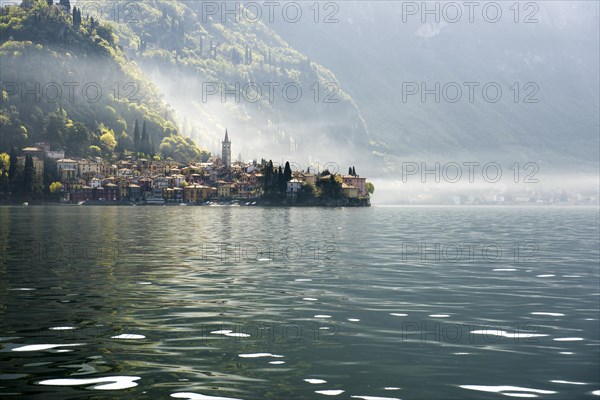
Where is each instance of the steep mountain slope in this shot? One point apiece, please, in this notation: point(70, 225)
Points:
point(286, 105)
point(67, 82)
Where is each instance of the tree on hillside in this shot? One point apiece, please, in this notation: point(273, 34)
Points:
point(268, 177)
point(307, 192)
point(152, 148)
point(4, 163)
point(145, 142)
point(287, 173)
point(50, 173)
point(108, 141)
point(76, 17)
point(77, 138)
point(136, 137)
point(55, 187)
point(13, 130)
point(124, 143)
point(281, 183)
point(56, 128)
point(12, 169)
point(144, 138)
point(28, 175)
point(331, 186)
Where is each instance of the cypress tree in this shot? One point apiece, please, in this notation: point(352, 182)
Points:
point(28, 174)
point(12, 169)
point(281, 184)
point(145, 145)
point(152, 149)
point(76, 18)
point(268, 177)
point(136, 137)
point(287, 172)
point(4, 186)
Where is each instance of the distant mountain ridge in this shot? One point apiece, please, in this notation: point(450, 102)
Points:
point(376, 47)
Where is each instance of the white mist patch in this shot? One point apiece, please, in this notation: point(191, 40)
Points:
point(303, 280)
point(514, 391)
point(330, 392)
point(569, 382)
point(353, 319)
point(114, 382)
point(398, 314)
point(322, 316)
point(391, 388)
point(498, 332)
point(128, 336)
point(61, 328)
point(568, 339)
point(309, 299)
point(439, 315)
point(374, 398)
point(258, 355)
point(196, 396)
point(276, 362)
point(504, 269)
point(40, 347)
point(314, 381)
point(546, 276)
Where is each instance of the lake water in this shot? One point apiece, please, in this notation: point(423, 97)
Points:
point(258, 303)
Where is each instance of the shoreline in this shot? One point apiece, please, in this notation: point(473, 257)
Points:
point(211, 204)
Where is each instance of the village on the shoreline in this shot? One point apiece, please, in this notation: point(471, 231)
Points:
point(218, 181)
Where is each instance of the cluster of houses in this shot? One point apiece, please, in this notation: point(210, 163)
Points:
point(143, 181)
point(162, 182)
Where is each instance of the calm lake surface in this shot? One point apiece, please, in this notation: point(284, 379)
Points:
point(258, 303)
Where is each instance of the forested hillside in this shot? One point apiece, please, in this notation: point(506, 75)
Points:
point(194, 58)
point(66, 81)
